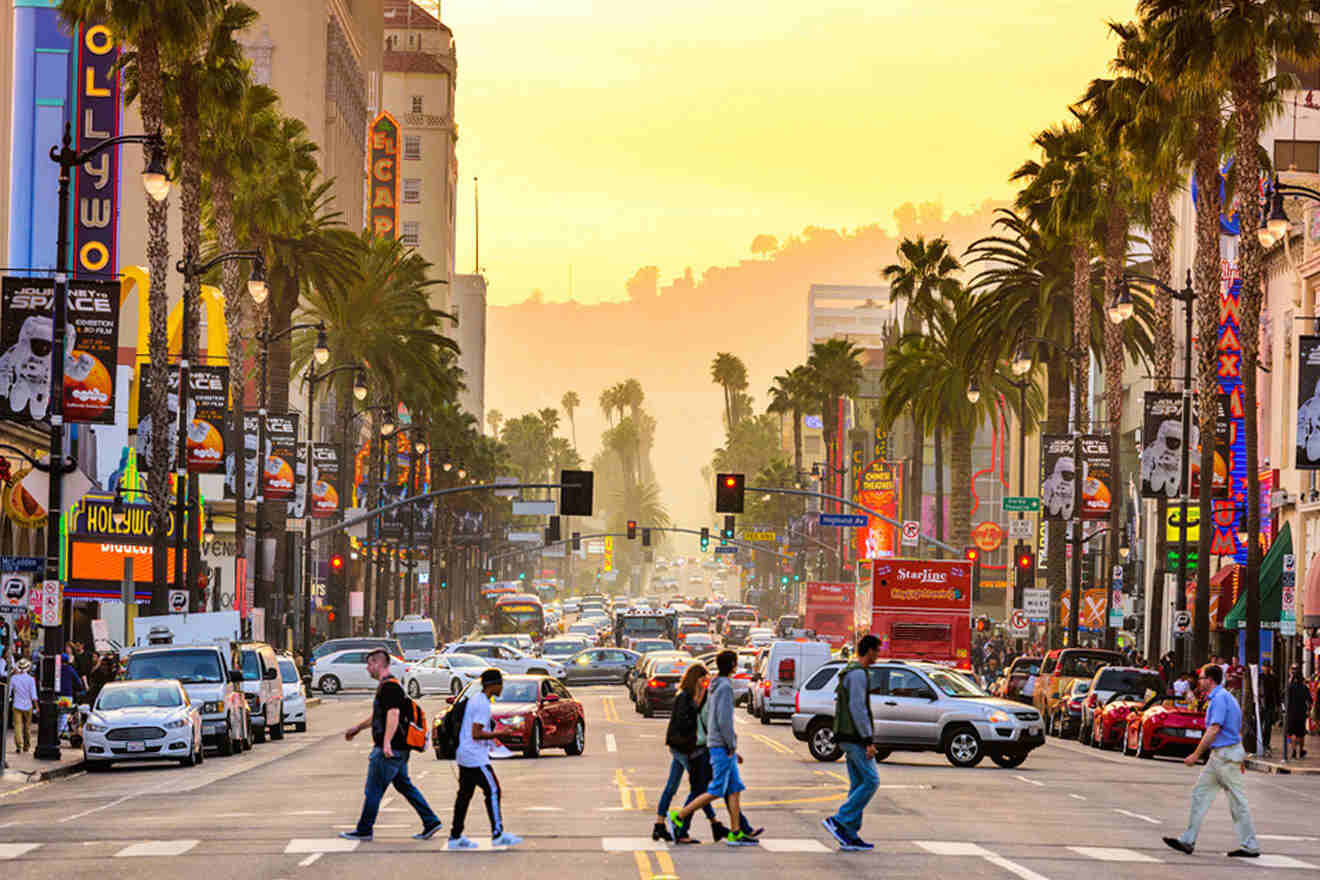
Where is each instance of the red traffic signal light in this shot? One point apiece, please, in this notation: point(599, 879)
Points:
point(632, 529)
point(337, 562)
point(1024, 559)
point(729, 493)
point(972, 554)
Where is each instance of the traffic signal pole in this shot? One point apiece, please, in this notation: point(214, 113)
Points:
point(776, 490)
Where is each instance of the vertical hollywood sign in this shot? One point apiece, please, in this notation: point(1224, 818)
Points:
point(96, 186)
point(384, 177)
point(1229, 374)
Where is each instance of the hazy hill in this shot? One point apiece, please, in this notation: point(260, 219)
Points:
point(666, 334)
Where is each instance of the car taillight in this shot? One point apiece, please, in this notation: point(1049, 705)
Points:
point(745, 676)
point(655, 683)
point(797, 705)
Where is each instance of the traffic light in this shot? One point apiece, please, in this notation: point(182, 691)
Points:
point(575, 496)
point(729, 493)
point(973, 555)
point(577, 541)
point(632, 529)
point(336, 563)
point(646, 537)
point(552, 530)
point(783, 580)
point(705, 539)
point(1024, 573)
point(727, 534)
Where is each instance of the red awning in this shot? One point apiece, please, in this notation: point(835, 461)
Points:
point(1311, 598)
point(1224, 585)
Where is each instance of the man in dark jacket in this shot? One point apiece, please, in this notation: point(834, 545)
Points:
point(853, 729)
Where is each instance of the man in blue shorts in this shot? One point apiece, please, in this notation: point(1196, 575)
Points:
point(722, 741)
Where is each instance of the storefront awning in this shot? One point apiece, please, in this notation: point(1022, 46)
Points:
point(1271, 585)
point(1311, 598)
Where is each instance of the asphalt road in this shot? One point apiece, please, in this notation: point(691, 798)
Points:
point(274, 812)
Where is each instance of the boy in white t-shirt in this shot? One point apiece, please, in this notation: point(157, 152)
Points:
point(473, 756)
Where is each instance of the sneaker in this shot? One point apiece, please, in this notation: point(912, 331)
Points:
point(355, 835)
point(1175, 843)
point(677, 827)
point(428, 832)
point(506, 839)
point(461, 843)
point(1244, 854)
point(858, 845)
point(836, 830)
point(737, 838)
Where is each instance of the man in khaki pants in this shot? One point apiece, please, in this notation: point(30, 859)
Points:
point(1224, 769)
point(24, 689)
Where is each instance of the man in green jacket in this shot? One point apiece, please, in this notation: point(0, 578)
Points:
point(853, 729)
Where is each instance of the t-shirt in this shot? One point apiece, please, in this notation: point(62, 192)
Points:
point(474, 752)
point(24, 687)
point(389, 695)
point(1224, 711)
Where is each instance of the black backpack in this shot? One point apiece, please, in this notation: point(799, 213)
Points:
point(446, 738)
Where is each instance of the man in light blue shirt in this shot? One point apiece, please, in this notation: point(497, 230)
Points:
point(1223, 769)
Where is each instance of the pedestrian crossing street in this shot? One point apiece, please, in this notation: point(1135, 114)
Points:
point(316, 846)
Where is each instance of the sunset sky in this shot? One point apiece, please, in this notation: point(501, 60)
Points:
point(610, 135)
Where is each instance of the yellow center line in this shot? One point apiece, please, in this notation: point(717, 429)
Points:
point(643, 864)
point(625, 790)
point(838, 776)
point(666, 864)
point(640, 796)
point(774, 744)
point(608, 706)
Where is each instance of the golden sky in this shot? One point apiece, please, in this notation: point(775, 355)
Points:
point(610, 134)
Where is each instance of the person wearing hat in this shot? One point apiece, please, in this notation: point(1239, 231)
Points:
point(475, 735)
point(24, 689)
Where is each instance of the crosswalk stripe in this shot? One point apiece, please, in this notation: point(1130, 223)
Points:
point(805, 845)
point(14, 850)
point(1112, 854)
point(1268, 860)
point(952, 848)
point(631, 844)
point(304, 845)
point(156, 848)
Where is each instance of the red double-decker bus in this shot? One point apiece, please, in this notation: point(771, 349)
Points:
point(921, 609)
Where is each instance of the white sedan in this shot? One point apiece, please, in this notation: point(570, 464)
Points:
point(509, 659)
point(150, 718)
point(348, 669)
point(443, 674)
point(295, 696)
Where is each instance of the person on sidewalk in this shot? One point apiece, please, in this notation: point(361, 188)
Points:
point(1223, 769)
point(853, 727)
point(1299, 708)
point(475, 735)
point(1269, 705)
point(686, 745)
point(722, 741)
point(24, 689)
point(388, 763)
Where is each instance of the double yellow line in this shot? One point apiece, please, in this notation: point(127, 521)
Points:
point(774, 744)
point(664, 869)
point(631, 797)
point(611, 711)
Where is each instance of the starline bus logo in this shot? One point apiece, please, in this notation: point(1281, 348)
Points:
point(924, 576)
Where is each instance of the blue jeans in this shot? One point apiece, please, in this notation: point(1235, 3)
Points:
point(863, 780)
point(677, 767)
point(381, 773)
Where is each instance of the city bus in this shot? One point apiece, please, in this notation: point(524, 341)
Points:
point(518, 614)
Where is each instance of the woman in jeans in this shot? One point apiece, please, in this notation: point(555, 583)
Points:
point(687, 749)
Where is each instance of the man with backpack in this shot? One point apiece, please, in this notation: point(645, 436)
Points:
point(392, 714)
point(474, 771)
point(853, 727)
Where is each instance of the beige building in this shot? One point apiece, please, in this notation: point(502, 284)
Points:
point(468, 305)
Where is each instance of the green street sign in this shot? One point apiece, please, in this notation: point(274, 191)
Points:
point(1021, 504)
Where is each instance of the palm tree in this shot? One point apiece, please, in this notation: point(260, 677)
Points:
point(570, 402)
point(792, 394)
point(493, 418)
point(730, 374)
point(835, 375)
point(609, 402)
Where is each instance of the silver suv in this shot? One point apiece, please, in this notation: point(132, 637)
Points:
point(922, 707)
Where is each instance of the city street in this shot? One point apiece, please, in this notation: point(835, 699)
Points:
point(276, 811)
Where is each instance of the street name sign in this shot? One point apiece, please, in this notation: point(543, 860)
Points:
point(1021, 504)
point(726, 549)
point(844, 520)
point(1036, 603)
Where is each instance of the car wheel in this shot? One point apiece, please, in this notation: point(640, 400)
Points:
point(1125, 749)
point(96, 766)
point(454, 687)
point(277, 729)
point(647, 711)
point(962, 746)
point(201, 751)
point(764, 716)
point(300, 726)
point(578, 744)
point(259, 733)
point(227, 744)
point(1008, 760)
point(414, 689)
point(533, 749)
point(820, 741)
point(328, 684)
point(191, 760)
point(1084, 733)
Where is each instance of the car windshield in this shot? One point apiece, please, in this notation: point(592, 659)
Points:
point(1086, 665)
point(519, 692)
point(647, 645)
point(955, 685)
point(417, 641)
point(1128, 681)
point(669, 668)
point(158, 696)
point(465, 660)
point(562, 649)
point(288, 672)
point(251, 668)
point(189, 667)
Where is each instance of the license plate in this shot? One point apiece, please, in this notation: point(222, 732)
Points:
point(137, 747)
point(1190, 732)
point(1035, 731)
point(211, 728)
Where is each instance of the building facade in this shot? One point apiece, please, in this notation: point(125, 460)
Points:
point(469, 310)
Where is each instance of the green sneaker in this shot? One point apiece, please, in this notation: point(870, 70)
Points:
point(677, 827)
point(739, 838)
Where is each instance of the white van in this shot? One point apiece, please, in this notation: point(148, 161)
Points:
point(788, 664)
point(416, 635)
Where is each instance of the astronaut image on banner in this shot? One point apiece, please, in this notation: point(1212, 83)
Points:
point(1308, 403)
point(25, 367)
point(1057, 493)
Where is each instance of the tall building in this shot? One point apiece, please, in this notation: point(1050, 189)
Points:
point(418, 91)
point(469, 307)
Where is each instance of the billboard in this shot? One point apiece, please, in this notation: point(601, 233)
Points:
point(383, 181)
point(324, 480)
point(1058, 486)
point(1308, 403)
point(1161, 458)
point(281, 456)
point(880, 489)
point(247, 443)
point(96, 182)
point(91, 346)
point(208, 407)
point(1097, 479)
point(922, 585)
point(98, 548)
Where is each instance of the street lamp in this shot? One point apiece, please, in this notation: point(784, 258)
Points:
point(157, 184)
point(1021, 363)
point(973, 392)
point(257, 287)
point(1121, 308)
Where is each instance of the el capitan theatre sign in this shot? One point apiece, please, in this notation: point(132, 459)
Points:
point(383, 180)
point(96, 185)
point(98, 548)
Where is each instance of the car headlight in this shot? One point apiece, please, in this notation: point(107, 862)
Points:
point(176, 724)
point(214, 706)
point(997, 716)
point(514, 721)
point(94, 727)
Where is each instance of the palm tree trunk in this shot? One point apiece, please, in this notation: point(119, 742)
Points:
point(960, 501)
point(917, 479)
point(236, 322)
point(1056, 422)
point(1081, 257)
point(1161, 235)
point(939, 484)
point(1207, 278)
point(1116, 233)
point(797, 443)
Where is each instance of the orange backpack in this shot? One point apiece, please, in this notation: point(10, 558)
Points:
point(412, 719)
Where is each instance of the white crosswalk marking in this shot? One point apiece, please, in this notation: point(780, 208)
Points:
point(631, 844)
point(953, 848)
point(156, 848)
point(805, 845)
point(14, 850)
point(1268, 860)
point(304, 845)
point(611, 745)
point(1112, 854)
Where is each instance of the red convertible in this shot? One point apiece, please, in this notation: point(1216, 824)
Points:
point(1109, 721)
point(531, 713)
point(1163, 727)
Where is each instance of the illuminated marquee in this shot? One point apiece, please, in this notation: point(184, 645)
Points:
point(96, 185)
point(383, 178)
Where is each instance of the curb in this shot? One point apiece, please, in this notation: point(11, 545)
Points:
point(313, 701)
point(1280, 768)
point(43, 775)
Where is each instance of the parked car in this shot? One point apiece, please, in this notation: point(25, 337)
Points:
point(1067, 719)
point(508, 659)
point(1060, 668)
point(599, 666)
point(641, 672)
point(736, 635)
point(921, 707)
point(531, 713)
point(1164, 727)
point(786, 665)
point(295, 697)
point(1109, 724)
point(330, 646)
point(1020, 679)
point(348, 669)
point(211, 685)
point(1114, 680)
point(442, 674)
point(263, 688)
point(148, 718)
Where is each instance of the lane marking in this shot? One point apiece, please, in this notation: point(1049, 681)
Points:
point(1147, 819)
point(666, 864)
point(831, 773)
point(639, 797)
point(377, 825)
point(424, 774)
point(310, 859)
point(1112, 854)
point(610, 744)
point(304, 845)
point(806, 845)
point(240, 815)
point(774, 744)
point(643, 865)
point(1268, 860)
point(298, 813)
point(965, 848)
point(1286, 837)
point(625, 790)
point(543, 809)
point(384, 804)
point(157, 848)
point(811, 800)
point(1030, 781)
point(1077, 797)
point(113, 803)
point(631, 844)
point(1014, 868)
point(14, 850)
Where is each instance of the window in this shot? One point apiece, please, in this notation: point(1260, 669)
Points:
point(410, 233)
point(417, 103)
point(412, 146)
point(1304, 155)
point(412, 190)
point(822, 678)
point(906, 683)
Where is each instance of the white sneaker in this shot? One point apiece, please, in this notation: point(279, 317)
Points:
point(507, 839)
point(461, 843)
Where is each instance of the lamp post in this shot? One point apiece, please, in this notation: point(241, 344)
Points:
point(303, 615)
point(1021, 366)
point(157, 184)
point(1186, 296)
point(418, 447)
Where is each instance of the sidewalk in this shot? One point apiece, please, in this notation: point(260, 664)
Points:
point(1310, 765)
point(24, 768)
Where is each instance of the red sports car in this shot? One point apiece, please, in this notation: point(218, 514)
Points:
point(1109, 722)
point(531, 713)
point(1163, 727)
